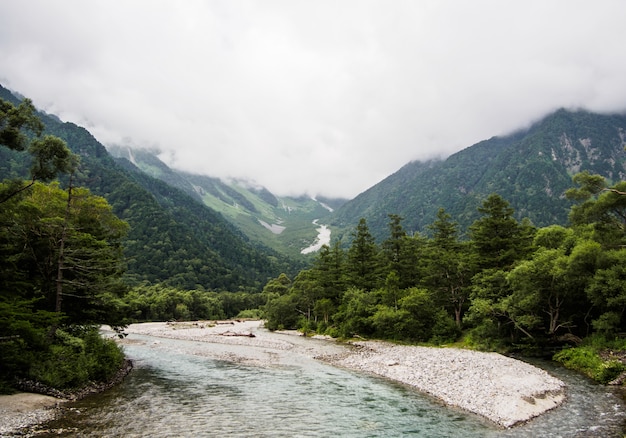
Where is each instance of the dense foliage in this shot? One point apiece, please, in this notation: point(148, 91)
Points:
point(510, 285)
point(162, 303)
point(61, 268)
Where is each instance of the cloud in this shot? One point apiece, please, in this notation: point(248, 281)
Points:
point(323, 97)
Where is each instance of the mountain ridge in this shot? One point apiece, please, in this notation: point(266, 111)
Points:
point(283, 223)
point(531, 168)
point(173, 239)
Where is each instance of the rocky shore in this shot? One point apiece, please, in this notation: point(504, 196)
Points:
point(504, 390)
point(501, 389)
point(20, 413)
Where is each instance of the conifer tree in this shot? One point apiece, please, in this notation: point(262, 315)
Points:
point(497, 237)
point(363, 264)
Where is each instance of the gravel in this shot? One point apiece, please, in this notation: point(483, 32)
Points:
point(20, 412)
point(504, 390)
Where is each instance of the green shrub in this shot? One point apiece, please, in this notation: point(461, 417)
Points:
point(445, 329)
point(77, 357)
point(61, 367)
point(608, 371)
point(601, 342)
point(587, 361)
point(333, 332)
point(104, 356)
point(74, 342)
point(250, 314)
point(485, 336)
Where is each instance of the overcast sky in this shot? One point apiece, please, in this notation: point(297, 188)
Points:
point(311, 96)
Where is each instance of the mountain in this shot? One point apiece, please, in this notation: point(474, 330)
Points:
point(174, 238)
point(531, 169)
point(197, 230)
point(284, 224)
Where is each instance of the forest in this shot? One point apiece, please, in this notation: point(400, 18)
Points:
point(508, 286)
point(62, 263)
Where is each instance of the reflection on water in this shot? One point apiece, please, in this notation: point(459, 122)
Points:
point(174, 393)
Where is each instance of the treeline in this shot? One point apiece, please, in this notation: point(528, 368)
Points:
point(65, 255)
point(508, 285)
point(63, 271)
point(163, 303)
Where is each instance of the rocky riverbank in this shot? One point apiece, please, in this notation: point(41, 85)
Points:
point(504, 390)
point(501, 389)
point(20, 413)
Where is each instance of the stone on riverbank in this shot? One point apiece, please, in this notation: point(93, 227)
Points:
point(504, 390)
point(23, 410)
point(501, 389)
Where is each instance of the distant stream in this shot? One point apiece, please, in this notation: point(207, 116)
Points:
point(323, 238)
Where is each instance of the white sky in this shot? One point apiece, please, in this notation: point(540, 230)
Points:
point(311, 96)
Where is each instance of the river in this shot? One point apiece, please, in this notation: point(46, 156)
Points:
point(323, 238)
point(178, 390)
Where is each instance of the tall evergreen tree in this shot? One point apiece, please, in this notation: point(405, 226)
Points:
point(497, 237)
point(363, 264)
point(449, 266)
point(601, 207)
point(21, 129)
point(329, 267)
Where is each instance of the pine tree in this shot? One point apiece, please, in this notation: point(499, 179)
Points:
point(363, 265)
point(498, 238)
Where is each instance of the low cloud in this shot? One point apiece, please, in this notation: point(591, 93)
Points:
point(319, 97)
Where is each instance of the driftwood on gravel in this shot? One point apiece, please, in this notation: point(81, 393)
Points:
point(243, 334)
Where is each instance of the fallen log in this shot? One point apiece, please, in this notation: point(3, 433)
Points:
point(244, 334)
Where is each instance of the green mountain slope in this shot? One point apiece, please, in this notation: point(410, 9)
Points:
point(531, 169)
point(174, 238)
point(284, 224)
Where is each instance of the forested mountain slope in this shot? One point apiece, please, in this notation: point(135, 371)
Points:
point(282, 223)
point(530, 168)
point(173, 238)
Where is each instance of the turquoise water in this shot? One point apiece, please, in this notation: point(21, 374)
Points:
point(174, 392)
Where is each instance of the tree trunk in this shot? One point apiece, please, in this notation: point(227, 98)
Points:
point(61, 257)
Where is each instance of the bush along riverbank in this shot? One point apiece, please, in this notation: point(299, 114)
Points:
point(600, 359)
point(68, 361)
point(73, 363)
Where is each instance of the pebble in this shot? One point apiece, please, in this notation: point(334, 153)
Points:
point(504, 390)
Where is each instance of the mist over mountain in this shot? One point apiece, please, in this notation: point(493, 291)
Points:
point(531, 169)
point(174, 239)
point(189, 229)
point(283, 223)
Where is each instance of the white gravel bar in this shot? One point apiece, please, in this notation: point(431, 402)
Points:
point(23, 410)
point(502, 389)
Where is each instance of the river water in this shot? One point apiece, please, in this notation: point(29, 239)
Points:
point(177, 391)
